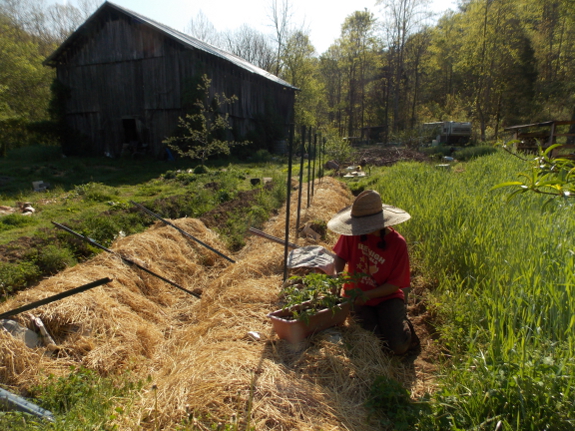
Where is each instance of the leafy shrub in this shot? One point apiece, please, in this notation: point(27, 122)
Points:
point(337, 149)
point(103, 230)
point(15, 221)
point(234, 231)
point(257, 215)
point(52, 259)
point(262, 156)
point(96, 192)
point(201, 169)
point(391, 404)
point(17, 277)
point(224, 196)
point(186, 178)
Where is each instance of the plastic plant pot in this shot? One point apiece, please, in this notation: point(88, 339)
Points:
point(294, 331)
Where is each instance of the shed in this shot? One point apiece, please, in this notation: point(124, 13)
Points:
point(533, 136)
point(125, 77)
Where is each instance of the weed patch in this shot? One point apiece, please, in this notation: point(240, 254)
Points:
point(15, 221)
point(78, 401)
point(391, 404)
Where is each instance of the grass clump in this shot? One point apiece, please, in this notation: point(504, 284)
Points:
point(81, 400)
point(16, 221)
point(95, 192)
point(391, 404)
point(468, 153)
point(52, 259)
point(15, 277)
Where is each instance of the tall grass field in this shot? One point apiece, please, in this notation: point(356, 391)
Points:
point(505, 273)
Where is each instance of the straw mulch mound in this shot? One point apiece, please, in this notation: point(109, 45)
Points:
point(204, 366)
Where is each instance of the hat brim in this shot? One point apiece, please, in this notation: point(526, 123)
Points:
point(344, 224)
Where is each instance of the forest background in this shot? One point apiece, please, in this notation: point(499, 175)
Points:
point(495, 63)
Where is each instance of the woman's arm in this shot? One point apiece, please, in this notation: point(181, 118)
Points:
point(379, 291)
point(339, 264)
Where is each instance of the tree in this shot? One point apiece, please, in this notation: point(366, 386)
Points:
point(202, 28)
point(401, 18)
point(332, 77)
point(349, 71)
point(24, 81)
point(280, 14)
point(251, 45)
point(359, 49)
point(496, 62)
point(204, 131)
point(553, 177)
point(301, 70)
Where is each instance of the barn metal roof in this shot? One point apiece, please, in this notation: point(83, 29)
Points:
point(183, 38)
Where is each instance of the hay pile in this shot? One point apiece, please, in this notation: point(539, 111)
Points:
point(198, 352)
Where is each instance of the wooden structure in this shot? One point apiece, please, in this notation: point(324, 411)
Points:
point(534, 136)
point(127, 77)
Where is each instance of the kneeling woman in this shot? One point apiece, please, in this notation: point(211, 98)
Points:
point(378, 262)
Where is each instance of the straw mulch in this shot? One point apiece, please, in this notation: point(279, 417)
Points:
point(204, 366)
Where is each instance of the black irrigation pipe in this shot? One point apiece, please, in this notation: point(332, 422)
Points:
point(56, 297)
point(300, 185)
point(124, 259)
point(286, 246)
point(258, 232)
point(153, 214)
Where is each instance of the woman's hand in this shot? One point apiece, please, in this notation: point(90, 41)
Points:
point(358, 296)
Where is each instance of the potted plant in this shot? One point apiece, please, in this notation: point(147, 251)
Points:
point(311, 303)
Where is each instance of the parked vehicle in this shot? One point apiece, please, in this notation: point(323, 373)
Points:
point(446, 132)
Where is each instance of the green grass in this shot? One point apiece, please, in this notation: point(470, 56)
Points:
point(506, 293)
point(92, 196)
point(82, 400)
point(504, 273)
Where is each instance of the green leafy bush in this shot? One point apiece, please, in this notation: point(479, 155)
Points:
point(262, 156)
point(14, 277)
point(391, 404)
point(52, 259)
point(201, 169)
point(15, 221)
point(96, 192)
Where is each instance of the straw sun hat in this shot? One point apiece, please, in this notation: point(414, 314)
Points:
point(366, 215)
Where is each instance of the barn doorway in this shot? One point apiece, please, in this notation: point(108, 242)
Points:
point(130, 130)
point(133, 145)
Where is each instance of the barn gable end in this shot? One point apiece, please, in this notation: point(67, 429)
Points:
point(126, 76)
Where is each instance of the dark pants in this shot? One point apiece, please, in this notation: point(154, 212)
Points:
point(388, 321)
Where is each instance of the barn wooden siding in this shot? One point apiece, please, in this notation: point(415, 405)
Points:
point(119, 68)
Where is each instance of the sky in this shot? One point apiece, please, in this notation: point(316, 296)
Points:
point(323, 17)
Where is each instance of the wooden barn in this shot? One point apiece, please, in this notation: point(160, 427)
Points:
point(126, 77)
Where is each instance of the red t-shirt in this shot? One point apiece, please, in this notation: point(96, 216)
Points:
point(390, 265)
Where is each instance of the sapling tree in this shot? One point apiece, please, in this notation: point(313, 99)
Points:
point(547, 175)
point(203, 132)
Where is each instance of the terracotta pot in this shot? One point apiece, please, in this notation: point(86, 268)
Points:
point(295, 331)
